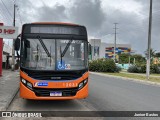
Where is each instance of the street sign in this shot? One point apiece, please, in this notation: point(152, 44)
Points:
point(8, 32)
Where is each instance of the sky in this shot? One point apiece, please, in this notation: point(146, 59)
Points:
point(98, 16)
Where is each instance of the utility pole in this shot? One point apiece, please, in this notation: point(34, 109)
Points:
point(94, 50)
point(149, 42)
point(115, 41)
point(13, 51)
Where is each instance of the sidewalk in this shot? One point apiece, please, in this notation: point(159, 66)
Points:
point(9, 85)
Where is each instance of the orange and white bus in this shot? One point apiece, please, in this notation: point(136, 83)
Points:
point(53, 61)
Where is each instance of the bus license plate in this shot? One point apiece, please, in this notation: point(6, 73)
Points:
point(56, 93)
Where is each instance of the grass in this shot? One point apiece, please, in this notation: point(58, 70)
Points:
point(144, 74)
point(135, 76)
point(155, 75)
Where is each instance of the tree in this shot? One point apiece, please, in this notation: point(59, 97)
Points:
point(123, 58)
point(152, 53)
point(139, 59)
point(157, 54)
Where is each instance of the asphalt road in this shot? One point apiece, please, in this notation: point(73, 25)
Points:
point(105, 94)
point(113, 94)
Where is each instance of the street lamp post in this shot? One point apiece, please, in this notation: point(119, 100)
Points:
point(13, 51)
point(149, 42)
point(115, 40)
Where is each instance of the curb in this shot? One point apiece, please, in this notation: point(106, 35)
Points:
point(10, 100)
point(130, 79)
point(141, 74)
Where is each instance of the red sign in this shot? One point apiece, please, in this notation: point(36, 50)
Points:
point(8, 32)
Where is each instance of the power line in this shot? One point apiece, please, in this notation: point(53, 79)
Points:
point(7, 9)
point(4, 16)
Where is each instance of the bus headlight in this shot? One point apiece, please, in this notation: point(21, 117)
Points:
point(82, 84)
point(23, 81)
point(27, 84)
point(85, 81)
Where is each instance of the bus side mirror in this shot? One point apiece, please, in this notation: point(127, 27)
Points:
point(89, 49)
point(17, 44)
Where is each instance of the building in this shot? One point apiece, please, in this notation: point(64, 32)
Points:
point(109, 49)
point(95, 48)
point(106, 50)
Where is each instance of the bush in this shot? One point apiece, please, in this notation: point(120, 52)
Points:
point(118, 69)
point(133, 69)
point(155, 69)
point(142, 69)
point(103, 65)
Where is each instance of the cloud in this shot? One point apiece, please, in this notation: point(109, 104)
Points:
point(133, 26)
point(27, 11)
point(155, 41)
point(54, 13)
point(98, 16)
point(88, 13)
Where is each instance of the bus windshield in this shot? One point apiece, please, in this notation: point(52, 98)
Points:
point(54, 54)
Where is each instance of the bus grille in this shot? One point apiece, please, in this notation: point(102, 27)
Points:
point(45, 92)
point(51, 76)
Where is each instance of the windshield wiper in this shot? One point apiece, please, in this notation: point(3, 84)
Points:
point(44, 46)
point(66, 48)
point(37, 57)
point(61, 54)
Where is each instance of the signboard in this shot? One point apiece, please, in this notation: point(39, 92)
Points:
point(61, 65)
point(9, 32)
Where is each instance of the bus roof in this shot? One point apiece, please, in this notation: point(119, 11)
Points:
point(56, 23)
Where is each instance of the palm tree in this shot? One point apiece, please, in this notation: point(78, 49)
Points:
point(152, 53)
point(158, 54)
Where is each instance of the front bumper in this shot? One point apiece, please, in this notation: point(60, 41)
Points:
point(29, 94)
